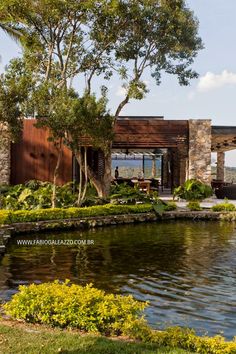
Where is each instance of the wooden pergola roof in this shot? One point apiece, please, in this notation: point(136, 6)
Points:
point(149, 132)
point(223, 138)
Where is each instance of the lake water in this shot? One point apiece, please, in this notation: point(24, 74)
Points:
point(187, 271)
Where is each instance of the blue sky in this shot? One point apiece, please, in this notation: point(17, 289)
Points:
point(211, 96)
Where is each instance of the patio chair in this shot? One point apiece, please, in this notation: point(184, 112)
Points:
point(228, 192)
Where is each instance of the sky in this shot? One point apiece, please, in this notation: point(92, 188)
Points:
point(211, 96)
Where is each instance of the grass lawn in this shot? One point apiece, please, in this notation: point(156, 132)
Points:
point(18, 338)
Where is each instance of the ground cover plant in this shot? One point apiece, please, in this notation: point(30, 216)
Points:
point(226, 206)
point(70, 305)
point(194, 206)
point(66, 305)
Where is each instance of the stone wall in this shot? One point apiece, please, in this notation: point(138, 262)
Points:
point(5, 156)
point(101, 221)
point(200, 150)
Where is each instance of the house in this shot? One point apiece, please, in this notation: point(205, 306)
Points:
point(185, 147)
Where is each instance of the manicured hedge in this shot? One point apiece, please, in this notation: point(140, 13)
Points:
point(9, 217)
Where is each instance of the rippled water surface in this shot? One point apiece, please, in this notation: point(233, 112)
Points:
point(187, 271)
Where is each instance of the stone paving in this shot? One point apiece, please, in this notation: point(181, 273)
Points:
point(207, 203)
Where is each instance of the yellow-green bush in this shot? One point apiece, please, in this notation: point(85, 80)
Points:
point(194, 206)
point(90, 309)
point(9, 217)
point(184, 338)
point(4, 216)
point(170, 206)
point(75, 306)
point(224, 207)
point(187, 339)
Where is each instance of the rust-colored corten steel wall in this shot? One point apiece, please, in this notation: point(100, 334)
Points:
point(34, 157)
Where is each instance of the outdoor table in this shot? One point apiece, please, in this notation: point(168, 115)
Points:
point(144, 185)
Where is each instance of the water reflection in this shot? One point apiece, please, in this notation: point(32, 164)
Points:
point(187, 271)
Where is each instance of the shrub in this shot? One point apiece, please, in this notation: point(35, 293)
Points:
point(170, 206)
point(159, 206)
point(188, 340)
point(224, 207)
point(193, 189)
point(194, 206)
point(35, 195)
point(92, 201)
point(4, 217)
point(9, 217)
point(125, 194)
point(75, 306)
point(89, 309)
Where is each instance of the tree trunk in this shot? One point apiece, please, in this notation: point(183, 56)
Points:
point(101, 183)
point(85, 174)
point(80, 182)
point(106, 180)
point(55, 175)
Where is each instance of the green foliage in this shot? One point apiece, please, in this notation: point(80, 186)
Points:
point(10, 114)
point(35, 195)
point(74, 306)
point(125, 194)
point(68, 305)
point(64, 40)
point(188, 340)
point(9, 217)
point(159, 206)
point(170, 206)
point(44, 341)
point(192, 190)
point(194, 206)
point(4, 217)
point(226, 206)
point(93, 201)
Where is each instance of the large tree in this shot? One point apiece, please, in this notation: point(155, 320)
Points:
point(7, 23)
point(70, 40)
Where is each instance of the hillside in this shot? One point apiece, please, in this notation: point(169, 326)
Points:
point(230, 173)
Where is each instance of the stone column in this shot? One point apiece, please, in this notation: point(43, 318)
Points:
point(200, 150)
point(5, 156)
point(220, 175)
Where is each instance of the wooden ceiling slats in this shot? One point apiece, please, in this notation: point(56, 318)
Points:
point(150, 133)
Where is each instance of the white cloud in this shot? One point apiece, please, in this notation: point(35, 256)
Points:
point(211, 81)
point(121, 91)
